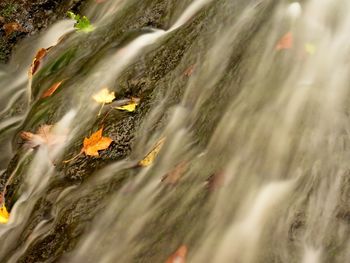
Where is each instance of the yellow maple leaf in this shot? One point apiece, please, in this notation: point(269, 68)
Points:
point(310, 48)
point(131, 106)
point(149, 158)
point(104, 96)
point(95, 143)
point(4, 215)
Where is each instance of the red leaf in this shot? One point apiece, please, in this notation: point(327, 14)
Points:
point(286, 42)
point(189, 71)
point(179, 256)
point(51, 90)
point(37, 60)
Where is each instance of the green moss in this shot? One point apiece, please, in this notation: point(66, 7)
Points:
point(8, 10)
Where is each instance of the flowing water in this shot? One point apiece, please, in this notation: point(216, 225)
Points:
point(254, 167)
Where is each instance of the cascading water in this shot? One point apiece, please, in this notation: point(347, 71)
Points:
point(251, 100)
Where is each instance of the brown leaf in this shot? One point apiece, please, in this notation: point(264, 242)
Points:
point(44, 135)
point(216, 181)
point(51, 90)
point(189, 71)
point(175, 175)
point(149, 158)
point(286, 42)
point(36, 61)
point(179, 256)
point(9, 28)
point(95, 143)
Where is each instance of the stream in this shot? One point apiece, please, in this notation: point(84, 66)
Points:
point(235, 148)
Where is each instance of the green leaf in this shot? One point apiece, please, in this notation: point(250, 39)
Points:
point(82, 23)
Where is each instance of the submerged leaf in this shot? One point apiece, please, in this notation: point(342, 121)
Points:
point(189, 71)
point(175, 175)
point(179, 256)
point(104, 96)
point(286, 42)
point(149, 158)
point(4, 215)
point(215, 181)
point(310, 48)
point(44, 135)
point(95, 143)
point(51, 90)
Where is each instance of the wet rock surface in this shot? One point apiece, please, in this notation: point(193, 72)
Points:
point(147, 80)
point(31, 16)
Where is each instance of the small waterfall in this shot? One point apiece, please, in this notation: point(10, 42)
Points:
point(243, 105)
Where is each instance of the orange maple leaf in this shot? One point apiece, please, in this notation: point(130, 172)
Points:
point(36, 61)
point(95, 143)
point(286, 42)
point(51, 90)
point(179, 256)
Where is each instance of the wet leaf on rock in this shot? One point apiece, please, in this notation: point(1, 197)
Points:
point(82, 22)
point(179, 256)
point(151, 156)
point(130, 106)
point(4, 215)
point(44, 135)
point(104, 96)
point(37, 61)
point(95, 143)
point(286, 42)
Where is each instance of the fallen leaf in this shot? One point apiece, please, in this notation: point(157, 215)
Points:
point(95, 143)
point(310, 48)
point(82, 23)
point(104, 96)
point(175, 175)
point(9, 28)
point(4, 215)
point(131, 106)
point(37, 61)
point(149, 158)
point(286, 42)
point(44, 135)
point(189, 71)
point(179, 256)
point(215, 181)
point(51, 90)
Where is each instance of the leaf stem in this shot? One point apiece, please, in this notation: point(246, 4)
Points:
point(73, 158)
